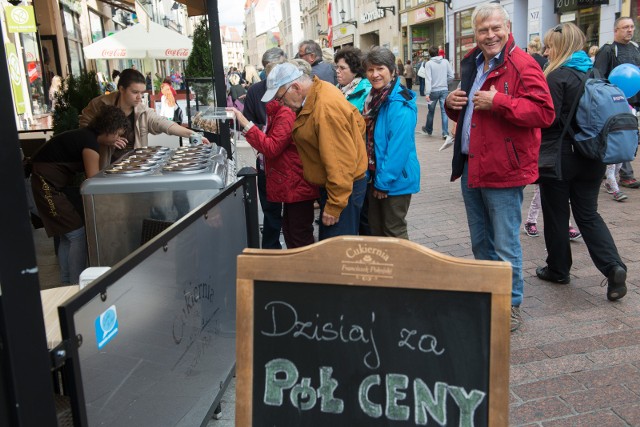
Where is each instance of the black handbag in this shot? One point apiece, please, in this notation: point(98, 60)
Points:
point(177, 114)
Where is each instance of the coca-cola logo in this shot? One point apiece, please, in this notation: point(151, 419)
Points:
point(114, 53)
point(177, 52)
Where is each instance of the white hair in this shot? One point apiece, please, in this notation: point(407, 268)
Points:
point(487, 10)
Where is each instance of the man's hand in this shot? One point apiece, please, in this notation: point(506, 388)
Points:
point(205, 141)
point(457, 99)
point(483, 99)
point(329, 219)
point(428, 97)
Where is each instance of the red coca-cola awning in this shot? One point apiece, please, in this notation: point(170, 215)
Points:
point(138, 41)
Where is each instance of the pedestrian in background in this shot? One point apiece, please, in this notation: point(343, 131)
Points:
point(438, 75)
point(502, 103)
point(577, 179)
point(534, 48)
point(311, 52)
point(408, 74)
point(394, 172)
point(623, 50)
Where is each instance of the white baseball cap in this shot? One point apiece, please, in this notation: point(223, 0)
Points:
point(278, 77)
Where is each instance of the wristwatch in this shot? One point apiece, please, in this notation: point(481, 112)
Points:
point(246, 128)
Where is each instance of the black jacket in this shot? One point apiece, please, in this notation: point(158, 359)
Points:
point(254, 109)
point(606, 60)
point(565, 88)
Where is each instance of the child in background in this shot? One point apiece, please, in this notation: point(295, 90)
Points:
point(531, 226)
point(611, 185)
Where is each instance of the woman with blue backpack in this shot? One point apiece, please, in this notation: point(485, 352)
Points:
point(568, 179)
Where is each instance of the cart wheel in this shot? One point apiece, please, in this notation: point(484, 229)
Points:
point(217, 413)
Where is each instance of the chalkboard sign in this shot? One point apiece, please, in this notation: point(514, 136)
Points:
point(357, 331)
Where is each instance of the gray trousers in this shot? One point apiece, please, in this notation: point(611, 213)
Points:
point(626, 171)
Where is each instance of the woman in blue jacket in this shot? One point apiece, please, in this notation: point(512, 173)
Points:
point(394, 172)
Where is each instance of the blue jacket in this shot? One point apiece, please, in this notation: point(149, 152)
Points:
point(397, 167)
point(359, 94)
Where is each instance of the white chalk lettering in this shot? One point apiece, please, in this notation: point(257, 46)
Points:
point(425, 402)
point(426, 343)
point(284, 321)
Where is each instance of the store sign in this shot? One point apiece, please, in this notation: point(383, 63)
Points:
point(114, 53)
point(424, 14)
point(20, 19)
point(179, 53)
point(569, 5)
point(13, 64)
point(372, 16)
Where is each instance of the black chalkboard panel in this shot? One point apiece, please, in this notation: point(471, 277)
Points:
point(330, 355)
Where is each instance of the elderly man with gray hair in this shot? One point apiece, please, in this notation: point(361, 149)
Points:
point(329, 136)
point(311, 52)
point(256, 112)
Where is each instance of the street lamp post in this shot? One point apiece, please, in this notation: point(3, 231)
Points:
point(342, 13)
point(391, 9)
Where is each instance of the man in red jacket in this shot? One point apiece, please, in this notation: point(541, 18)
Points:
point(502, 103)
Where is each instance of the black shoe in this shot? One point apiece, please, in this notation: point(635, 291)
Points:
point(616, 288)
point(546, 274)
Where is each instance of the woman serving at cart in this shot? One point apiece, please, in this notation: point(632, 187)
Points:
point(143, 120)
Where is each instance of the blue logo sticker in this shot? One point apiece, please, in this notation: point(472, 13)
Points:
point(106, 326)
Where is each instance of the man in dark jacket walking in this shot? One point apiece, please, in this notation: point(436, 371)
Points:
point(623, 50)
point(500, 107)
point(311, 52)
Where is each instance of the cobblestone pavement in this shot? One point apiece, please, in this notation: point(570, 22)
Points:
point(576, 359)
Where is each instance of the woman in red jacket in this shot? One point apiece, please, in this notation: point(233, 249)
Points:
point(283, 168)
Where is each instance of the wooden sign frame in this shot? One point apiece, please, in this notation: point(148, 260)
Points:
point(400, 264)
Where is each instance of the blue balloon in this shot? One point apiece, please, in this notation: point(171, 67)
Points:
point(627, 78)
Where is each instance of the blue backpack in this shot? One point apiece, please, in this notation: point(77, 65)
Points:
point(608, 129)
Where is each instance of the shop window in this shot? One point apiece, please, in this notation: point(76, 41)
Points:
point(98, 33)
point(588, 20)
point(33, 68)
point(464, 37)
point(73, 38)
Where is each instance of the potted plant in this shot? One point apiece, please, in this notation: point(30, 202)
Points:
point(74, 94)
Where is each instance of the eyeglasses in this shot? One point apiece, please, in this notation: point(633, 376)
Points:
point(279, 98)
point(558, 29)
point(304, 54)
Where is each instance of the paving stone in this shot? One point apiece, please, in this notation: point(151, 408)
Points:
point(581, 345)
point(526, 355)
point(615, 356)
point(599, 419)
point(549, 387)
point(601, 397)
point(538, 410)
point(613, 375)
point(561, 365)
point(620, 339)
point(629, 413)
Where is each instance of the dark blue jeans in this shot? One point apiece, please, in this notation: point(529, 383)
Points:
point(422, 85)
point(437, 96)
point(349, 221)
point(272, 212)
